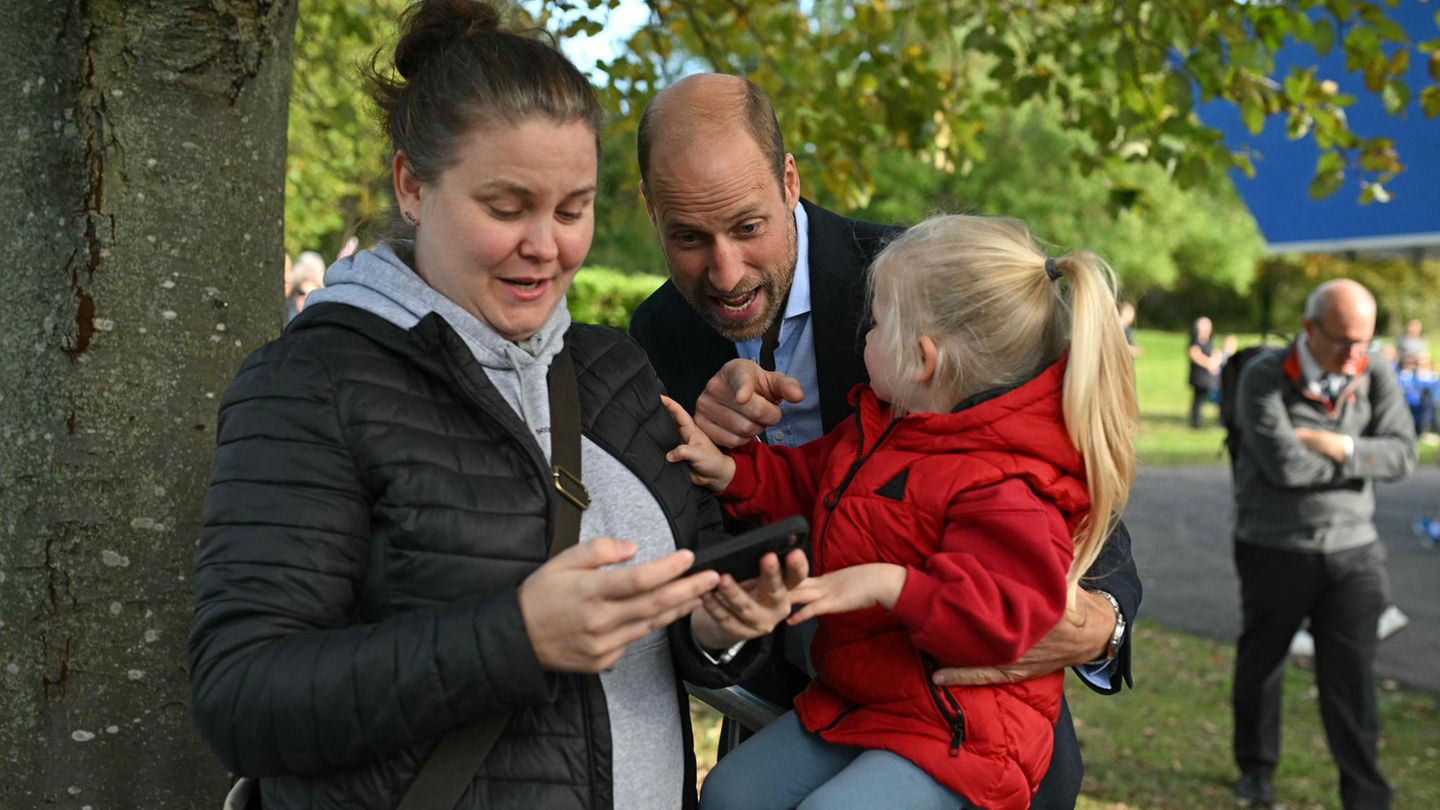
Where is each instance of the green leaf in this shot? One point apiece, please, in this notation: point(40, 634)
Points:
point(1430, 101)
point(1252, 114)
point(1325, 185)
point(1395, 95)
point(1323, 37)
point(1330, 162)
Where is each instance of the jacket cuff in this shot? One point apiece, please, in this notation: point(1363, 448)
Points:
point(913, 606)
point(697, 668)
point(513, 673)
point(743, 483)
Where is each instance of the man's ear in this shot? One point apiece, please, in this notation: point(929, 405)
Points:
point(649, 206)
point(792, 181)
point(407, 185)
point(929, 356)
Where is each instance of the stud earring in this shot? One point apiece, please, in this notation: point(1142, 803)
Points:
point(410, 218)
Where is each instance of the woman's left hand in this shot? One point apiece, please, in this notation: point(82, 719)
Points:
point(734, 611)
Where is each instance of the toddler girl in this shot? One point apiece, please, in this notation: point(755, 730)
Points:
point(952, 517)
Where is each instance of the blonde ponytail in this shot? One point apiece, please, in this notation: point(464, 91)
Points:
point(1100, 405)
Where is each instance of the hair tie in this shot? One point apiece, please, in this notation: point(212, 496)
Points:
point(1052, 269)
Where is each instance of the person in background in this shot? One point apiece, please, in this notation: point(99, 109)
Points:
point(1320, 422)
point(381, 563)
point(1127, 322)
point(1228, 347)
point(757, 329)
point(961, 505)
point(1204, 369)
point(307, 276)
point(1410, 347)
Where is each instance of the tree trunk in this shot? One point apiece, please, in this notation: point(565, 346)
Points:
point(142, 149)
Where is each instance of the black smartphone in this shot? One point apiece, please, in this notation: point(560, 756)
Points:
point(740, 556)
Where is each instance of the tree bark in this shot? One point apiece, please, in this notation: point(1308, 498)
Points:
point(142, 149)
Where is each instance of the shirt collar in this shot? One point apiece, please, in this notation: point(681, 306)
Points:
point(799, 302)
point(1316, 379)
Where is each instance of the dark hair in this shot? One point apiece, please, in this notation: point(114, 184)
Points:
point(457, 68)
point(758, 117)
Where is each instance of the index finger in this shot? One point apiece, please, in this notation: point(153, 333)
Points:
point(682, 418)
point(741, 376)
point(621, 583)
point(770, 585)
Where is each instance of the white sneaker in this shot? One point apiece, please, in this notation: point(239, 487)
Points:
point(1391, 622)
point(1303, 645)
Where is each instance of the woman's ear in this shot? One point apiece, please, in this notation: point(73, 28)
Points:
point(929, 355)
point(407, 185)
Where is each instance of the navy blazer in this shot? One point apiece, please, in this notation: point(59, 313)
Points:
point(686, 352)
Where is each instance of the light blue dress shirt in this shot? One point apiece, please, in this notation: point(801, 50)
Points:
point(795, 353)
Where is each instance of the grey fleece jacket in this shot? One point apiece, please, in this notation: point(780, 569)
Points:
point(640, 691)
point(1291, 498)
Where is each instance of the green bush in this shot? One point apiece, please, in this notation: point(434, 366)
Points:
point(607, 296)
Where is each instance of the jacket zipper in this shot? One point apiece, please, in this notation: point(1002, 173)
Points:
point(841, 716)
point(832, 498)
point(954, 718)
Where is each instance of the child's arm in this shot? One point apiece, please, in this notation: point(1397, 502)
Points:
point(756, 482)
point(854, 588)
point(997, 586)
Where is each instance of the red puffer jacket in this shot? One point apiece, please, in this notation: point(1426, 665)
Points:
point(979, 506)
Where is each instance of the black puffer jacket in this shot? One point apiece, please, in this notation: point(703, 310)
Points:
point(374, 503)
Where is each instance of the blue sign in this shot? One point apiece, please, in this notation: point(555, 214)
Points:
point(1278, 195)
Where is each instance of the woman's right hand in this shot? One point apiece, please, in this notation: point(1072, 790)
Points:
point(581, 617)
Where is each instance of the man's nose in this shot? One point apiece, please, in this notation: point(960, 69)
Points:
point(727, 267)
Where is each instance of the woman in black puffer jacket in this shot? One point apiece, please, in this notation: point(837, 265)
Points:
point(372, 572)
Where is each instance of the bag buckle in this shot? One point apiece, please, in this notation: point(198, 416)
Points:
point(564, 478)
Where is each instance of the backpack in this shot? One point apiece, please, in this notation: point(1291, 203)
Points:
point(1230, 387)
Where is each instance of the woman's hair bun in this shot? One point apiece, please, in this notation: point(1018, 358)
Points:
point(429, 25)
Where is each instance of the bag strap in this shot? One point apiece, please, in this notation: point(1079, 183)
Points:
point(452, 765)
point(565, 452)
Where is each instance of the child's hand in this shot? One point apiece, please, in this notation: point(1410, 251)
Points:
point(854, 588)
point(738, 611)
point(709, 467)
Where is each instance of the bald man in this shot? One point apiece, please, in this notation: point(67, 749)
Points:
point(770, 288)
point(1320, 422)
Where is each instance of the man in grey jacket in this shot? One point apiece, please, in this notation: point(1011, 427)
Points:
point(1320, 421)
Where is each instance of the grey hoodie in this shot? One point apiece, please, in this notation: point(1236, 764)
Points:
point(640, 689)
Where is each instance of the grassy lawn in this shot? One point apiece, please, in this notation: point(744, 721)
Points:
point(1166, 744)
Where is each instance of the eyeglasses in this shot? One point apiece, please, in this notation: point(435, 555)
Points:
point(1347, 346)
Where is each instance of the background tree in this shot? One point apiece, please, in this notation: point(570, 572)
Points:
point(140, 182)
point(855, 80)
point(337, 177)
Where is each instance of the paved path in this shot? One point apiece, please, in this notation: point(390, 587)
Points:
point(1180, 519)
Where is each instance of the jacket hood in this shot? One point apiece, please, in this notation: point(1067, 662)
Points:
point(381, 281)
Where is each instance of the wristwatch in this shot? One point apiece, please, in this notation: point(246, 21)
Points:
point(1112, 647)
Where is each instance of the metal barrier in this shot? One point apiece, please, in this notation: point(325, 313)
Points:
point(742, 709)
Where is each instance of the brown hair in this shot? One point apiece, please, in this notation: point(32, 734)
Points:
point(980, 288)
point(755, 113)
point(457, 69)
